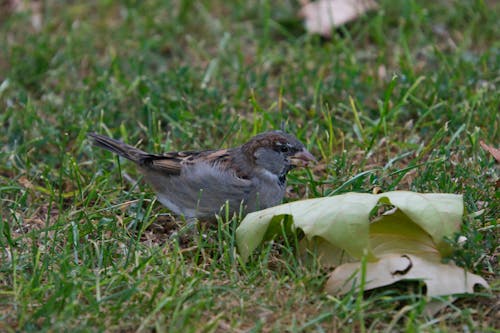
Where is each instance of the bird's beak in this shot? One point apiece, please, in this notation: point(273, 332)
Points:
point(302, 158)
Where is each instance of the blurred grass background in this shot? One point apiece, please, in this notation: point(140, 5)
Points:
point(398, 99)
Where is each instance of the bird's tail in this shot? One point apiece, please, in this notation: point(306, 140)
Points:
point(118, 147)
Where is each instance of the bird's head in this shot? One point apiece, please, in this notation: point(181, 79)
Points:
point(277, 152)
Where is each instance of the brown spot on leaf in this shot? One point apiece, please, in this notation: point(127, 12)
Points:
point(406, 269)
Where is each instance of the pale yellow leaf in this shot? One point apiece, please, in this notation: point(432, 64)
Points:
point(406, 242)
point(395, 232)
point(326, 254)
point(439, 214)
point(344, 222)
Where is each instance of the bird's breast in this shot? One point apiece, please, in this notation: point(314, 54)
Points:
point(269, 190)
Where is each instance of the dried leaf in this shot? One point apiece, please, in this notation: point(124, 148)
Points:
point(323, 15)
point(343, 221)
point(397, 233)
point(440, 279)
point(340, 220)
point(493, 151)
point(404, 243)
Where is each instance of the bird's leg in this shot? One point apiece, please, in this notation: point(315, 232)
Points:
point(189, 230)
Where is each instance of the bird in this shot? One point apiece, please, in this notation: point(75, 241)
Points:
point(197, 184)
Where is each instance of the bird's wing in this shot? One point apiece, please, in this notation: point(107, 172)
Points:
point(205, 181)
point(173, 162)
point(169, 163)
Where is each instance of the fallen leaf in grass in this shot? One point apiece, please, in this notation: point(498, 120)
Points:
point(440, 279)
point(493, 151)
point(323, 15)
point(327, 255)
point(340, 220)
point(405, 242)
point(344, 220)
point(438, 214)
point(395, 232)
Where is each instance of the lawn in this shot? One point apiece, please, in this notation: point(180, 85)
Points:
point(397, 100)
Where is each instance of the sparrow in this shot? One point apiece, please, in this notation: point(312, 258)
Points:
point(197, 184)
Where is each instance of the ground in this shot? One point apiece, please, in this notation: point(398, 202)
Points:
point(397, 100)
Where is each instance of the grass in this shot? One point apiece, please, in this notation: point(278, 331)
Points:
point(398, 100)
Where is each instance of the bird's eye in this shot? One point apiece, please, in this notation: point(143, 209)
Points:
point(284, 148)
